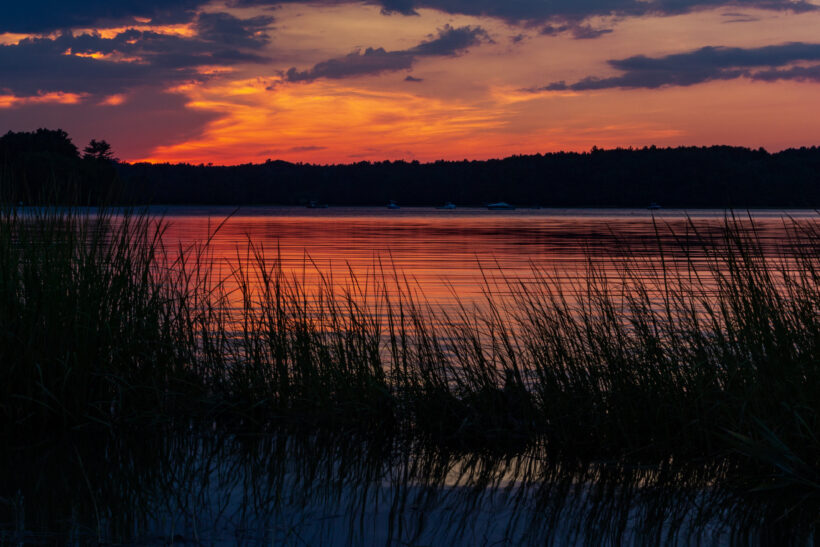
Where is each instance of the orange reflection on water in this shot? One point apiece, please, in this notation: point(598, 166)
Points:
point(453, 258)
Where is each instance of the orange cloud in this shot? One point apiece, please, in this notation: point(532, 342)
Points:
point(186, 30)
point(10, 39)
point(333, 122)
point(98, 56)
point(10, 101)
point(324, 122)
point(113, 100)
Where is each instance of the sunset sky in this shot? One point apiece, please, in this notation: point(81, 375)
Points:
point(338, 82)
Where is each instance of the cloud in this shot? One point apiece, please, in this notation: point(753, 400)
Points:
point(306, 148)
point(276, 151)
point(404, 7)
point(9, 101)
point(39, 66)
point(43, 16)
point(578, 30)
point(371, 61)
point(450, 41)
point(586, 32)
point(225, 29)
point(798, 73)
point(410, 78)
point(737, 17)
point(89, 63)
point(544, 10)
point(706, 64)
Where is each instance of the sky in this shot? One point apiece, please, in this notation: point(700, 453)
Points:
point(335, 81)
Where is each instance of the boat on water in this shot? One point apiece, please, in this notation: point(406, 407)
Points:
point(654, 206)
point(500, 206)
point(448, 206)
point(312, 204)
point(393, 205)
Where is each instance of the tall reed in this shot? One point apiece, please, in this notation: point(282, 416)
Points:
point(93, 327)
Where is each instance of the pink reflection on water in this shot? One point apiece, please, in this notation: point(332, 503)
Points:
point(451, 255)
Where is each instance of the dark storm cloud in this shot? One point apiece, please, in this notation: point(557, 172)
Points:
point(370, 61)
point(42, 16)
point(544, 10)
point(39, 65)
point(450, 41)
point(704, 65)
point(142, 57)
point(226, 29)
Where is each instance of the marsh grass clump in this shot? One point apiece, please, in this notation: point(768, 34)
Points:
point(91, 323)
point(705, 356)
point(712, 350)
point(697, 359)
point(313, 354)
point(105, 325)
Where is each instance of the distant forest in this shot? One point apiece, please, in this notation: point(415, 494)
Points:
point(32, 165)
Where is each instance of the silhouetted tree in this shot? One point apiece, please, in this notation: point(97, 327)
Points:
point(36, 163)
point(44, 165)
point(98, 150)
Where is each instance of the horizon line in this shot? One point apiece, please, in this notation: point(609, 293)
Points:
point(594, 149)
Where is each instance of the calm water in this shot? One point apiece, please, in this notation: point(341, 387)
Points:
point(450, 254)
point(201, 488)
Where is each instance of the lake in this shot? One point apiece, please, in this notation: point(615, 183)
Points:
point(453, 255)
point(329, 489)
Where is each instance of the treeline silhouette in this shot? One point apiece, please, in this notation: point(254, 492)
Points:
point(717, 176)
point(46, 165)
